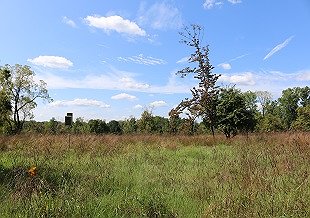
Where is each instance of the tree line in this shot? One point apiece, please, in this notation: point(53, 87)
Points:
point(237, 113)
point(210, 109)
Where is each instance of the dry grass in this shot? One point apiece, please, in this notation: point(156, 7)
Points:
point(155, 176)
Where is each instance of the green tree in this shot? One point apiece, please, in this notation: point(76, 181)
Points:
point(174, 121)
point(5, 109)
point(161, 124)
point(146, 123)
point(250, 100)
point(204, 96)
point(114, 127)
point(233, 114)
point(129, 125)
point(289, 104)
point(290, 101)
point(80, 126)
point(272, 120)
point(5, 103)
point(98, 126)
point(52, 126)
point(17, 82)
point(302, 121)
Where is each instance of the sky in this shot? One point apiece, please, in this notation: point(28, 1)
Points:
point(114, 59)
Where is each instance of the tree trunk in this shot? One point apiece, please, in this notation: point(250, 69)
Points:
point(212, 130)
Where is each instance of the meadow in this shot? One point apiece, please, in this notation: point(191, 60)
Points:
point(262, 175)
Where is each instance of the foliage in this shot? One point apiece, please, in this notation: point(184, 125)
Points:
point(80, 126)
point(290, 101)
point(233, 114)
point(129, 125)
point(302, 121)
point(18, 85)
point(161, 124)
point(146, 123)
point(114, 127)
point(52, 126)
point(98, 126)
point(271, 123)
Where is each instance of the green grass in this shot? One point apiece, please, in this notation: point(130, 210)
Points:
point(155, 176)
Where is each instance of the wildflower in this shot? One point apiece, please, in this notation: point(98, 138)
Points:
point(32, 171)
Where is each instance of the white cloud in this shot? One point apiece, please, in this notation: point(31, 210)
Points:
point(246, 78)
point(235, 1)
point(115, 23)
point(130, 83)
point(304, 76)
point(79, 102)
point(161, 16)
point(138, 107)
point(208, 4)
point(115, 80)
point(123, 96)
point(278, 47)
point(225, 66)
point(52, 62)
point(69, 22)
point(183, 60)
point(140, 59)
point(158, 104)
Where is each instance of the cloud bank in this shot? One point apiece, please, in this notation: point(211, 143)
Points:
point(82, 102)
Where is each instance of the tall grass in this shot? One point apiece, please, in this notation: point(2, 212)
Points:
point(155, 176)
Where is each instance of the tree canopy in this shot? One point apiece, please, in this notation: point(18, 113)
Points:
point(19, 92)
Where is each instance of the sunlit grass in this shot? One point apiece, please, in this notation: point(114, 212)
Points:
point(155, 176)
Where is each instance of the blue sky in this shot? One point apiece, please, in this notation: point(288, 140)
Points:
point(113, 59)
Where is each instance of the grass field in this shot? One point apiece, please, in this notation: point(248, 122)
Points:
point(155, 176)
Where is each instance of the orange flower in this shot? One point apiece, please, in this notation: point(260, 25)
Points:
point(32, 171)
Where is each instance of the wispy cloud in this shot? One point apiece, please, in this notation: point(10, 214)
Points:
point(51, 62)
point(130, 83)
point(69, 22)
point(303, 75)
point(225, 66)
point(183, 60)
point(160, 16)
point(278, 48)
point(110, 81)
point(138, 107)
point(156, 104)
point(141, 59)
point(82, 102)
point(246, 78)
point(237, 58)
point(123, 96)
point(115, 23)
point(114, 80)
point(235, 1)
point(209, 4)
